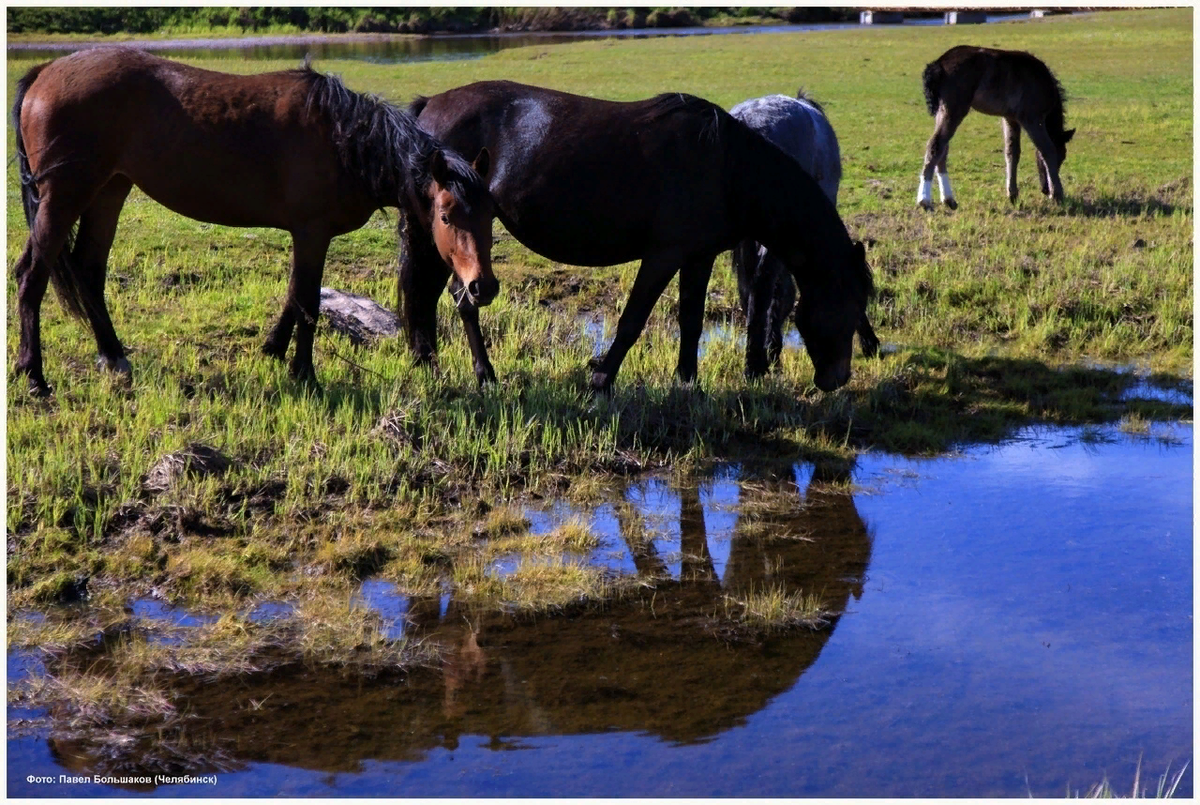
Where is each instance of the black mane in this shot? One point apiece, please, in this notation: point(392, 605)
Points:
point(382, 145)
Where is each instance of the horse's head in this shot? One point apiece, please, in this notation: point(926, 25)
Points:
point(461, 215)
point(828, 316)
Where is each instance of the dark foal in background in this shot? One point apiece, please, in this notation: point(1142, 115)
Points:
point(800, 128)
point(292, 150)
point(1010, 84)
point(672, 181)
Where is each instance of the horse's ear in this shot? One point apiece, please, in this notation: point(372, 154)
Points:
point(1067, 135)
point(438, 168)
point(482, 163)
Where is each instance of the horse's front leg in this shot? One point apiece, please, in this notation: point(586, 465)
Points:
point(469, 314)
point(1012, 155)
point(304, 299)
point(421, 281)
point(782, 302)
point(1048, 163)
point(652, 278)
point(1043, 174)
point(693, 291)
point(753, 290)
point(867, 340)
point(281, 334)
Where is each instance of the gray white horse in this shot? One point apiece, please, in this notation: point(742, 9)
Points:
point(799, 127)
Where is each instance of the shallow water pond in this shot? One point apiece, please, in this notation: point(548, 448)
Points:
point(1015, 619)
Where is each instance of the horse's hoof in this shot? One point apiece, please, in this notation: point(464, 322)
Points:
point(486, 378)
point(951, 203)
point(926, 205)
point(755, 372)
point(307, 377)
point(601, 384)
point(40, 389)
point(595, 362)
point(274, 350)
point(119, 366)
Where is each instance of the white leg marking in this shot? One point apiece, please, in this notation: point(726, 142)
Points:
point(944, 186)
point(925, 192)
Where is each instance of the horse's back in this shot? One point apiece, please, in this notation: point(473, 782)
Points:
point(566, 167)
point(1006, 83)
point(800, 128)
point(208, 145)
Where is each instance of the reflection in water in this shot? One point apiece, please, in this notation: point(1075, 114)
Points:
point(1025, 627)
point(655, 662)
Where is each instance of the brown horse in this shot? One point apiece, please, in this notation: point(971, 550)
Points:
point(292, 150)
point(1010, 84)
point(672, 181)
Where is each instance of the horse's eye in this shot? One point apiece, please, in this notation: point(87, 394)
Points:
point(445, 219)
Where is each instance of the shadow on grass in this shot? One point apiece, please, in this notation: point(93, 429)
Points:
point(937, 399)
point(1169, 199)
point(925, 402)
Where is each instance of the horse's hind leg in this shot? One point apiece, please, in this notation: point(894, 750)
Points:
point(1012, 155)
point(33, 275)
point(48, 235)
point(97, 228)
point(693, 290)
point(945, 124)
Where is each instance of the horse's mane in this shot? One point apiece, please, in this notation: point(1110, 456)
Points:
point(670, 103)
point(1056, 119)
point(382, 145)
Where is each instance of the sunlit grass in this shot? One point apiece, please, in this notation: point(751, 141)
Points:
point(775, 608)
point(1164, 788)
point(993, 317)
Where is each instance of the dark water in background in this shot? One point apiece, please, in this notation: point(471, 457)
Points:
point(442, 47)
point(1017, 619)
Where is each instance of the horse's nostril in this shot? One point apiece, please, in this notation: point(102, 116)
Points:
point(473, 288)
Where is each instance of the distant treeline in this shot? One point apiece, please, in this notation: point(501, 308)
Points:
point(111, 20)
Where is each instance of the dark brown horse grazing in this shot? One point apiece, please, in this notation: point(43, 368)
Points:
point(293, 150)
point(673, 181)
point(1010, 84)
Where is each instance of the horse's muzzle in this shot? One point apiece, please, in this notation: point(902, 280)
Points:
point(834, 377)
point(483, 291)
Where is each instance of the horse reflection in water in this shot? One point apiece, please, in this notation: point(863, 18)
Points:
point(664, 662)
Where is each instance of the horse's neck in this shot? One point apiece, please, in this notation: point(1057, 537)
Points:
point(783, 207)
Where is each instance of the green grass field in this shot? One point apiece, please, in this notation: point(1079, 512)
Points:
point(995, 316)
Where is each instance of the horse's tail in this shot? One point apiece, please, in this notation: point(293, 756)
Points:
point(932, 78)
point(29, 199)
point(63, 273)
